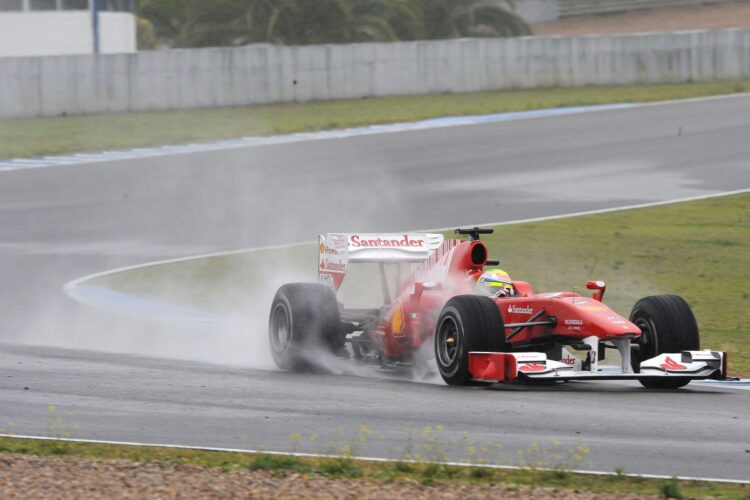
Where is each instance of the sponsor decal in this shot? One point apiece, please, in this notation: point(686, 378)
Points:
point(574, 322)
point(569, 360)
point(672, 365)
point(531, 367)
point(332, 266)
point(520, 310)
point(325, 249)
point(405, 242)
point(521, 357)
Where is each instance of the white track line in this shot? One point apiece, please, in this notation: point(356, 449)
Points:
point(256, 141)
point(606, 210)
point(367, 459)
point(70, 287)
point(244, 142)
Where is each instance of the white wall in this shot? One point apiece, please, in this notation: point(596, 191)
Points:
point(184, 79)
point(45, 33)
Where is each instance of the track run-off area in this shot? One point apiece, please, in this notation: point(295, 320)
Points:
point(117, 378)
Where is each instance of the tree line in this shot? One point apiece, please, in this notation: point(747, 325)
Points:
point(205, 23)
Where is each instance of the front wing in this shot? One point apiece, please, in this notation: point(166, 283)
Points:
point(526, 366)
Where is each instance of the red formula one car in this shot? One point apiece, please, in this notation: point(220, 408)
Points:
point(429, 296)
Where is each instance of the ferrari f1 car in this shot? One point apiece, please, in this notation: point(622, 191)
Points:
point(478, 338)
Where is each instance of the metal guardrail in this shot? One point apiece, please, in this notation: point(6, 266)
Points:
point(569, 8)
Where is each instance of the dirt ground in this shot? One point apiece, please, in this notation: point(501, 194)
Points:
point(724, 15)
point(24, 476)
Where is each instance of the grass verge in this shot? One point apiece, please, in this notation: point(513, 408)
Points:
point(426, 473)
point(22, 138)
point(695, 249)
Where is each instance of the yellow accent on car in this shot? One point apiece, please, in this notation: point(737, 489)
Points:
point(397, 321)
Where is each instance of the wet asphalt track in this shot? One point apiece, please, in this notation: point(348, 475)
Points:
point(64, 222)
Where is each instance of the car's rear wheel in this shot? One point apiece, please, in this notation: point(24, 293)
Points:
point(667, 325)
point(466, 323)
point(304, 319)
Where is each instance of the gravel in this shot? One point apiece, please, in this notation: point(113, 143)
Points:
point(26, 476)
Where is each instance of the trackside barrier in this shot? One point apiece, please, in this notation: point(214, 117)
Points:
point(262, 74)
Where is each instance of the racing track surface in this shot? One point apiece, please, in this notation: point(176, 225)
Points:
point(65, 222)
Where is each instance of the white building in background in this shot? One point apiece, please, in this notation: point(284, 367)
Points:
point(65, 27)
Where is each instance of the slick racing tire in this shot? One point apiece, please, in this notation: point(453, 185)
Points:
point(466, 323)
point(667, 325)
point(304, 320)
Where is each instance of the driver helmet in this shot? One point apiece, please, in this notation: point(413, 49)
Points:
point(495, 282)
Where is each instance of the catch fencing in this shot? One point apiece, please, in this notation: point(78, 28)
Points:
point(262, 74)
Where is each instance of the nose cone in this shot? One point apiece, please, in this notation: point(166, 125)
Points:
point(583, 317)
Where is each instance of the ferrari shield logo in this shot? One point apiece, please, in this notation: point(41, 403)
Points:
point(397, 321)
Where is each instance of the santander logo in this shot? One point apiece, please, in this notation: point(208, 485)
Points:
point(404, 242)
point(532, 367)
point(672, 365)
point(334, 267)
point(520, 310)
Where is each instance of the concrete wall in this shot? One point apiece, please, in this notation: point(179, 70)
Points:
point(39, 33)
point(181, 79)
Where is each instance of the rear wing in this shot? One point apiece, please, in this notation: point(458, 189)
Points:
point(338, 250)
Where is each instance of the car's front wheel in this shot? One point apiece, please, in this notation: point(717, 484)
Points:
point(667, 325)
point(466, 323)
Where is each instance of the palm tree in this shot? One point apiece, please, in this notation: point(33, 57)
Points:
point(347, 21)
point(168, 17)
point(196, 23)
point(298, 22)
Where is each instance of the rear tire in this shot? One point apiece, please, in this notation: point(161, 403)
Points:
point(304, 317)
point(466, 323)
point(667, 325)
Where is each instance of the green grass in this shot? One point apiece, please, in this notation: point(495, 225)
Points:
point(697, 249)
point(424, 472)
point(52, 136)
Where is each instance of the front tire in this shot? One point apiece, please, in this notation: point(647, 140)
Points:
point(667, 325)
point(466, 323)
point(304, 317)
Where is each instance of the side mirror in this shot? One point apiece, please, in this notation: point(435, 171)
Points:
point(600, 288)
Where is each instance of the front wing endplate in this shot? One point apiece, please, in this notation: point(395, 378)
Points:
point(509, 367)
